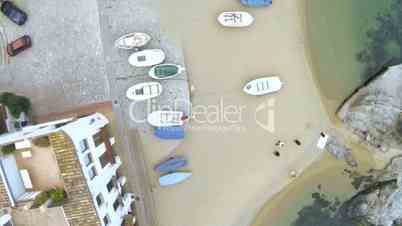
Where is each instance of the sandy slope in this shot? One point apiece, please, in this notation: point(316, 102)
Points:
point(235, 172)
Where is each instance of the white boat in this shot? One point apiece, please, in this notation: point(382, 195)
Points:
point(235, 19)
point(166, 118)
point(165, 71)
point(322, 141)
point(147, 58)
point(174, 178)
point(144, 91)
point(263, 86)
point(132, 40)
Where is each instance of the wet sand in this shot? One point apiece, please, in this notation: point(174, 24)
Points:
point(234, 169)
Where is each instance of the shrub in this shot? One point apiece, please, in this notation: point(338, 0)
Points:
point(8, 149)
point(15, 104)
point(57, 196)
point(40, 199)
point(42, 142)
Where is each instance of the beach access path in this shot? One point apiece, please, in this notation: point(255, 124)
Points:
point(234, 169)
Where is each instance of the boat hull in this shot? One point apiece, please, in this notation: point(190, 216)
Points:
point(132, 40)
point(235, 19)
point(256, 3)
point(153, 72)
point(171, 164)
point(144, 91)
point(165, 118)
point(170, 133)
point(263, 86)
point(174, 178)
point(147, 58)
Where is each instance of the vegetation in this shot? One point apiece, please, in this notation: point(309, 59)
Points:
point(57, 195)
point(384, 41)
point(40, 199)
point(42, 142)
point(15, 104)
point(8, 149)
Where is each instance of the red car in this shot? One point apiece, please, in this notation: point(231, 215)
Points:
point(19, 45)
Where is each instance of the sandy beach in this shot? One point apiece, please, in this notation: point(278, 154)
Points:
point(234, 169)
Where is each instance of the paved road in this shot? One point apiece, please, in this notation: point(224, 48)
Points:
point(73, 62)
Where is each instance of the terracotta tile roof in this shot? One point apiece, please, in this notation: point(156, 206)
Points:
point(79, 207)
point(4, 199)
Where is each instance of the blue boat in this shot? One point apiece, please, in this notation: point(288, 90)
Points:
point(256, 3)
point(174, 178)
point(171, 164)
point(170, 133)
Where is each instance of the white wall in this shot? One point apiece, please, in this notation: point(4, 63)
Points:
point(85, 128)
point(13, 176)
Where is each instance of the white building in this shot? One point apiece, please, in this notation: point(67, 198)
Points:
point(86, 167)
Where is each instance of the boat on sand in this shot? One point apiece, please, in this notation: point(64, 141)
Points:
point(172, 164)
point(132, 40)
point(235, 19)
point(144, 91)
point(165, 71)
point(147, 58)
point(256, 3)
point(166, 118)
point(262, 86)
point(170, 133)
point(174, 178)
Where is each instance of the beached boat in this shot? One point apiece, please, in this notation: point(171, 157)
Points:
point(172, 164)
point(263, 86)
point(132, 40)
point(166, 118)
point(174, 178)
point(256, 3)
point(170, 133)
point(147, 58)
point(144, 91)
point(235, 19)
point(165, 71)
point(322, 141)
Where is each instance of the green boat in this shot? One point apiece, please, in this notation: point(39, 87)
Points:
point(165, 71)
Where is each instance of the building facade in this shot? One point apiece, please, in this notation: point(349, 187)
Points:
point(88, 168)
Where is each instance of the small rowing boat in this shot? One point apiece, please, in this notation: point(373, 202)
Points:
point(147, 58)
point(144, 91)
point(174, 178)
point(165, 71)
point(263, 86)
point(235, 19)
point(166, 118)
point(170, 165)
point(132, 40)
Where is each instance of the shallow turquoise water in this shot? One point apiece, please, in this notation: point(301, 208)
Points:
point(337, 32)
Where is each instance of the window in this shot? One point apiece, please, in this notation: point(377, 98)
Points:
point(116, 204)
point(83, 145)
point(106, 220)
point(97, 139)
point(92, 172)
point(110, 185)
point(103, 160)
point(99, 199)
point(88, 159)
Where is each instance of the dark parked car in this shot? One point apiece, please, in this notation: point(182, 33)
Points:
point(14, 13)
point(19, 45)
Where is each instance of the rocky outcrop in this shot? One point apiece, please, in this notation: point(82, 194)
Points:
point(379, 204)
point(337, 148)
point(373, 113)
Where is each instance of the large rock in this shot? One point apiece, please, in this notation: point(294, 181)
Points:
point(381, 203)
point(374, 111)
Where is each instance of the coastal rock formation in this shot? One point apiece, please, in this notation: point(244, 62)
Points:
point(338, 149)
point(373, 113)
point(379, 204)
